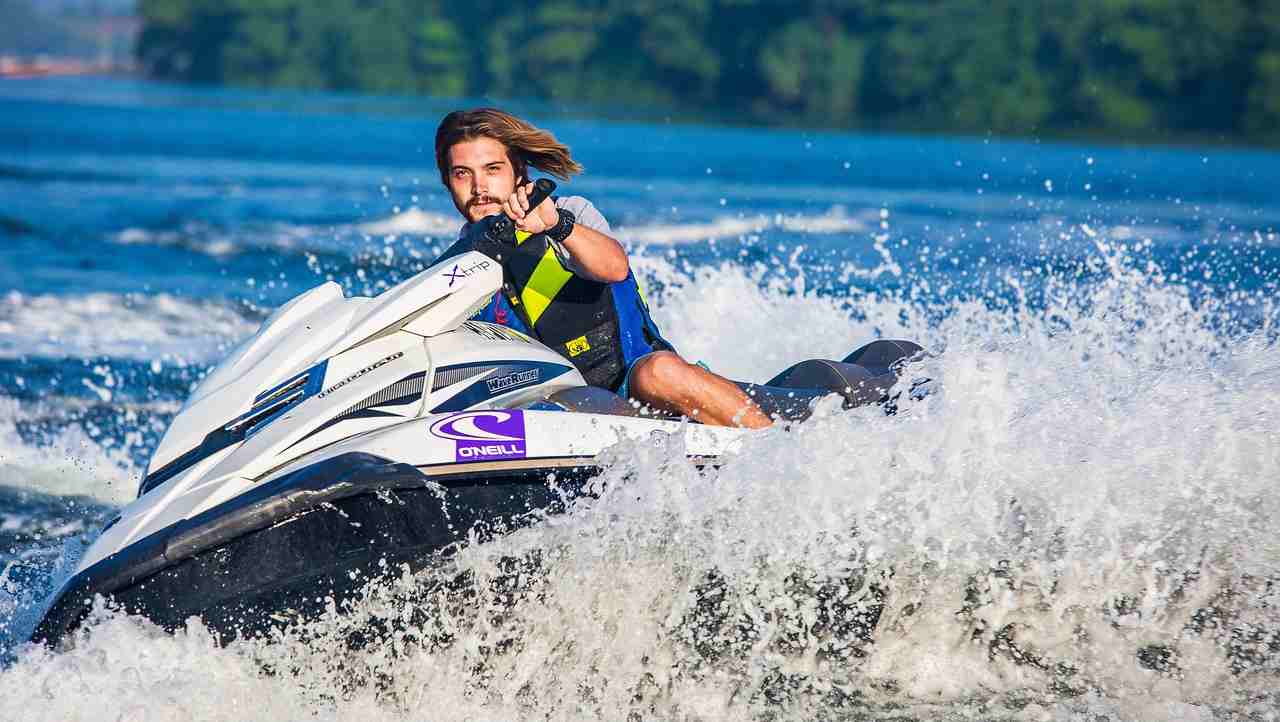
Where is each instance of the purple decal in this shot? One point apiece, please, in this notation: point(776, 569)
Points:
point(454, 275)
point(484, 435)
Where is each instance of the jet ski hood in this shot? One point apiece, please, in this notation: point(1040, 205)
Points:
point(267, 374)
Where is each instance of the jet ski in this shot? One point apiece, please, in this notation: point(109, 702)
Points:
point(351, 435)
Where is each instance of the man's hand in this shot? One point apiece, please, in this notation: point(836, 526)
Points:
point(531, 221)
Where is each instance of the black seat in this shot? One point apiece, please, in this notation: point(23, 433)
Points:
point(863, 377)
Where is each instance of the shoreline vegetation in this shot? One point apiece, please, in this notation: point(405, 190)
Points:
point(1145, 71)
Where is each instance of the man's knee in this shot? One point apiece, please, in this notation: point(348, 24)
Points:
point(660, 370)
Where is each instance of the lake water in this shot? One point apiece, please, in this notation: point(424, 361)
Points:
point(1082, 523)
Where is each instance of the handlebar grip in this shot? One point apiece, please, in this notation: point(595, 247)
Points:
point(542, 188)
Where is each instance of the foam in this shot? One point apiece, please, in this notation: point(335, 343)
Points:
point(133, 326)
point(414, 221)
point(774, 322)
point(68, 463)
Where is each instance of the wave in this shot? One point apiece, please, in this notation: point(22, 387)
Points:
point(218, 242)
point(129, 326)
point(1079, 523)
point(191, 237)
point(835, 221)
point(56, 174)
point(68, 462)
point(340, 238)
point(413, 221)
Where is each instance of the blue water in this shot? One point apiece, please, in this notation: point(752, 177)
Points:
point(145, 228)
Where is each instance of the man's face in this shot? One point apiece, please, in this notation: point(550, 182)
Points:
point(480, 177)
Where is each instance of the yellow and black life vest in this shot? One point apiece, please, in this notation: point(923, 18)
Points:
point(600, 327)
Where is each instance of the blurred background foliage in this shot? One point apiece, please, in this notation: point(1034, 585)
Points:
point(1127, 68)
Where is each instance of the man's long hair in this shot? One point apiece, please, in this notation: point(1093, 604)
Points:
point(526, 144)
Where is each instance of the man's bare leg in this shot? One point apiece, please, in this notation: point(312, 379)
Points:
point(667, 382)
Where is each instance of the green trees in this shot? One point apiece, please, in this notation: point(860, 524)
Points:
point(1132, 67)
point(813, 66)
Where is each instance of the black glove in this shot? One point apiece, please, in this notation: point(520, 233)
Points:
point(492, 235)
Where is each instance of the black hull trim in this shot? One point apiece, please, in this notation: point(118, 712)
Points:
point(278, 553)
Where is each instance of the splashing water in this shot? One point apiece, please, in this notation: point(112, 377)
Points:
point(1082, 521)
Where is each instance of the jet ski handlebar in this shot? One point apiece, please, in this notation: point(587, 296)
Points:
point(542, 189)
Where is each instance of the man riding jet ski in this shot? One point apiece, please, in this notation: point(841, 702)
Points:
point(569, 284)
point(350, 436)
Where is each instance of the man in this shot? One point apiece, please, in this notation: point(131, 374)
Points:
point(571, 283)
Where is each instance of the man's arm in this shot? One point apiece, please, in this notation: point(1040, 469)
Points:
point(596, 255)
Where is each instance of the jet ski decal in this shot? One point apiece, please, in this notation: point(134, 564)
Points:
point(495, 332)
point(490, 381)
point(450, 375)
point(371, 367)
point(404, 392)
point(484, 435)
point(499, 384)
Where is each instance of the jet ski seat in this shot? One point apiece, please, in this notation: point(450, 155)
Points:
point(863, 377)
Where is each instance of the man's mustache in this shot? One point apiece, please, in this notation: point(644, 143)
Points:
point(481, 200)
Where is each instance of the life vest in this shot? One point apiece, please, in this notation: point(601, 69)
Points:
point(602, 328)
